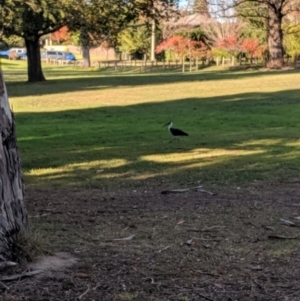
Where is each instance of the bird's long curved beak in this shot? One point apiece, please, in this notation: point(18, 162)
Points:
point(166, 124)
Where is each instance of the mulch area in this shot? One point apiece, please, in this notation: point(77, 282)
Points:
point(241, 244)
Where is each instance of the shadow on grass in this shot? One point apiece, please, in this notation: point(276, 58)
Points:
point(236, 138)
point(82, 80)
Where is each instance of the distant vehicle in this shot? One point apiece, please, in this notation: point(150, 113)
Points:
point(4, 54)
point(58, 55)
point(23, 56)
point(12, 53)
point(70, 56)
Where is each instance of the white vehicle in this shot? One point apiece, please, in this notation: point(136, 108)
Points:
point(18, 50)
point(13, 53)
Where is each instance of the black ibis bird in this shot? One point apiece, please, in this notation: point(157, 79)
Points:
point(175, 132)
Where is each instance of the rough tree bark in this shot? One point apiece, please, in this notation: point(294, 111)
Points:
point(275, 38)
point(13, 213)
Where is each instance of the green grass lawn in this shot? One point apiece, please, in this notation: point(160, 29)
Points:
point(104, 129)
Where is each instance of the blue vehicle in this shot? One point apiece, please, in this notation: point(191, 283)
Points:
point(70, 56)
point(4, 54)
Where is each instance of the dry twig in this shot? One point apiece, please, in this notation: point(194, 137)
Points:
point(18, 276)
point(197, 188)
point(288, 223)
point(207, 229)
point(163, 249)
point(79, 298)
point(7, 264)
point(281, 237)
point(5, 286)
point(130, 237)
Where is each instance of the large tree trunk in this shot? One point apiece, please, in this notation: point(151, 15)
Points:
point(13, 213)
point(275, 38)
point(34, 68)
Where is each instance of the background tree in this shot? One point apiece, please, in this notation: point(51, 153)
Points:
point(200, 7)
point(135, 41)
point(253, 48)
point(30, 20)
point(195, 7)
point(291, 40)
point(271, 14)
point(191, 44)
point(107, 45)
point(177, 44)
point(226, 35)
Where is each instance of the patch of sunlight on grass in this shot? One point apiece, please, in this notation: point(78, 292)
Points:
point(199, 154)
point(115, 175)
point(265, 142)
point(148, 175)
point(97, 164)
point(293, 144)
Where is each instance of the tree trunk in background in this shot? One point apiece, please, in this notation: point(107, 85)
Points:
point(85, 47)
point(275, 39)
point(13, 213)
point(86, 57)
point(34, 65)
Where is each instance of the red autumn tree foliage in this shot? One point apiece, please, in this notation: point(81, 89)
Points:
point(253, 48)
point(182, 47)
point(177, 44)
point(230, 43)
point(61, 35)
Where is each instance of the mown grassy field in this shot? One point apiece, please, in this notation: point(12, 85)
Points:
point(96, 158)
point(95, 128)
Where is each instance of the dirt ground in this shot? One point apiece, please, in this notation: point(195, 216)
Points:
point(241, 244)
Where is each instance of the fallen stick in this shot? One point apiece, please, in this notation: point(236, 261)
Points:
point(207, 229)
point(125, 238)
point(281, 237)
point(196, 188)
point(206, 191)
point(7, 264)
point(5, 286)
point(163, 249)
point(79, 298)
point(288, 223)
point(18, 276)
